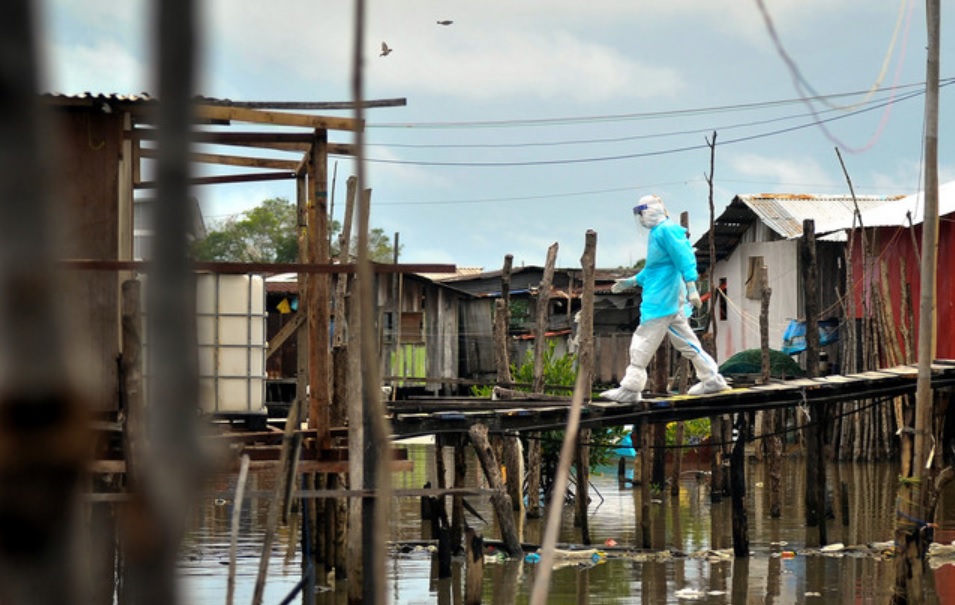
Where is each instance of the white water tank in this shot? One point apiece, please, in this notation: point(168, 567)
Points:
point(231, 335)
point(231, 325)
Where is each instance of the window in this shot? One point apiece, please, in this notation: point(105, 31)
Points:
point(412, 328)
point(722, 297)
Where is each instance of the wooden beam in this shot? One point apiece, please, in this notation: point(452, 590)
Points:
point(231, 160)
point(279, 141)
point(226, 178)
point(276, 342)
point(317, 105)
point(240, 114)
point(269, 268)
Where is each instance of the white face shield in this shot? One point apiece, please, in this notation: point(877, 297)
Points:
point(650, 212)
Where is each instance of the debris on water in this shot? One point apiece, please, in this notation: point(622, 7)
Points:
point(689, 594)
point(610, 542)
point(532, 557)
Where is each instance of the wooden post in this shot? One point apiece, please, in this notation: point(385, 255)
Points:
point(682, 382)
point(501, 361)
point(356, 452)
point(543, 317)
point(738, 488)
point(764, 296)
point(474, 579)
point(815, 455)
point(661, 366)
point(499, 498)
point(457, 501)
point(646, 521)
point(514, 463)
point(917, 495)
point(441, 530)
point(318, 292)
point(585, 368)
point(716, 462)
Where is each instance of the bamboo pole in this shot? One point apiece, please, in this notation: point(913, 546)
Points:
point(286, 458)
point(234, 533)
point(542, 579)
point(915, 494)
point(375, 433)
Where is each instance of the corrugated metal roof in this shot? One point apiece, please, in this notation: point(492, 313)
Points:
point(784, 213)
point(897, 213)
point(460, 272)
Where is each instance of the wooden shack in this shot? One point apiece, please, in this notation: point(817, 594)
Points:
point(764, 229)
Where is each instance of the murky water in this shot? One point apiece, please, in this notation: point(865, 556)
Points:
point(690, 527)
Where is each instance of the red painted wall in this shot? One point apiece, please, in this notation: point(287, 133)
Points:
point(890, 244)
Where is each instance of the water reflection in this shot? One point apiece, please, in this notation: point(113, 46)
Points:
point(692, 529)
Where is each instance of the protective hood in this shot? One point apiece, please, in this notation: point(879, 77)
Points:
point(650, 211)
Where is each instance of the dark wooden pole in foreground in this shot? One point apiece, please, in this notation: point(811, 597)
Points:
point(815, 454)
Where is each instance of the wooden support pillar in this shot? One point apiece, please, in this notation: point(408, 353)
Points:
point(582, 493)
point(738, 488)
point(815, 442)
point(457, 501)
point(660, 378)
point(318, 293)
point(474, 575)
point(585, 368)
point(514, 465)
point(716, 462)
point(499, 498)
point(646, 521)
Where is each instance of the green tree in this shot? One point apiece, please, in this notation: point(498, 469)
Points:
point(268, 234)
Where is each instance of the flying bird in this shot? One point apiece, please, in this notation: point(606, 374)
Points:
point(385, 50)
point(445, 22)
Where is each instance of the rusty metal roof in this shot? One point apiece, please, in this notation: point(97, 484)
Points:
point(784, 214)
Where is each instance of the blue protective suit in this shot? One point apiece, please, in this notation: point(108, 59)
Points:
point(670, 264)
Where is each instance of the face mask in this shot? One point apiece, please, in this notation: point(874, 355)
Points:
point(647, 216)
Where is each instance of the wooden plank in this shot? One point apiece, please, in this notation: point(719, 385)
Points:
point(281, 118)
point(224, 179)
point(284, 333)
point(233, 160)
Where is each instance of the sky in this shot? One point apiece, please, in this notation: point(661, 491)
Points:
point(529, 123)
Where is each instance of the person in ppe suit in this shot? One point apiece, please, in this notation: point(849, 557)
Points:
point(668, 280)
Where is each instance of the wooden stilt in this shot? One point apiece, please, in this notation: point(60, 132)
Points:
point(738, 494)
point(457, 502)
point(499, 498)
point(475, 568)
point(514, 463)
point(533, 476)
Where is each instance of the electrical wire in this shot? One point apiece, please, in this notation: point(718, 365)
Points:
point(657, 153)
point(801, 84)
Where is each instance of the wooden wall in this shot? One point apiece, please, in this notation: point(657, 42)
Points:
point(87, 177)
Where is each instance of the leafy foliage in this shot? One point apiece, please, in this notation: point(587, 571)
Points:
point(559, 372)
point(268, 233)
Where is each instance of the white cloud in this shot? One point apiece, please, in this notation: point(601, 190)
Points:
point(105, 67)
point(783, 170)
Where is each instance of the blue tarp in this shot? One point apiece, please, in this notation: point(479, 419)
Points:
point(794, 339)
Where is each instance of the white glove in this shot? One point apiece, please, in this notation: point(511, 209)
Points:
point(620, 285)
point(692, 295)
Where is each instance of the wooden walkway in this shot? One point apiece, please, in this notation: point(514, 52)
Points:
point(428, 416)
